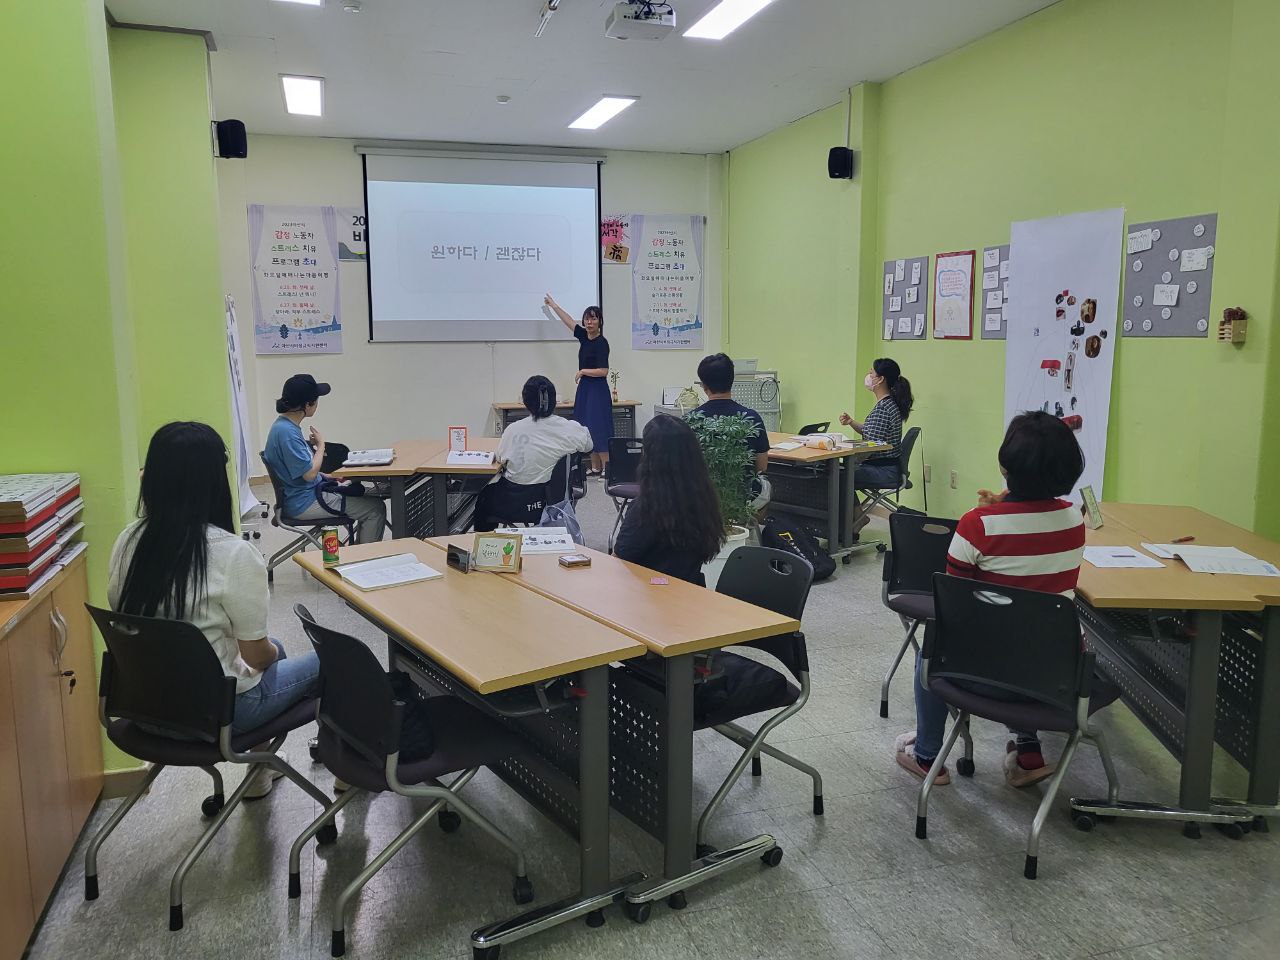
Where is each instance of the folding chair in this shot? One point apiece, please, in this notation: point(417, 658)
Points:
point(881, 495)
point(621, 477)
point(308, 531)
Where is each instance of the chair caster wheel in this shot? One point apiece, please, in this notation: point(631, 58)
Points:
point(327, 834)
point(704, 850)
point(595, 919)
point(313, 748)
point(638, 912)
point(1260, 825)
point(964, 767)
point(448, 821)
point(1191, 830)
point(1232, 831)
point(677, 901)
point(771, 857)
point(846, 559)
point(1084, 821)
point(880, 548)
point(522, 891)
point(485, 953)
point(212, 805)
point(755, 767)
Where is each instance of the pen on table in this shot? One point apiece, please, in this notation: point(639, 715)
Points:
point(1182, 540)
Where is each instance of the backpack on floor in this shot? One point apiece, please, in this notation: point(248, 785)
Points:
point(786, 535)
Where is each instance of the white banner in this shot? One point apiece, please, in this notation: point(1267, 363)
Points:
point(241, 437)
point(293, 252)
point(666, 282)
point(1061, 316)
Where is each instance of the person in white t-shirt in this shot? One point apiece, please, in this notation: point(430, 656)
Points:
point(183, 560)
point(529, 449)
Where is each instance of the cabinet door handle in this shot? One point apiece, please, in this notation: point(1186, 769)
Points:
point(60, 627)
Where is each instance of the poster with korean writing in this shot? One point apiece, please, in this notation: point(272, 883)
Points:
point(293, 252)
point(615, 238)
point(666, 282)
point(351, 234)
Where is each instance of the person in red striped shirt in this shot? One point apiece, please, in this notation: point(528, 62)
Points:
point(1025, 537)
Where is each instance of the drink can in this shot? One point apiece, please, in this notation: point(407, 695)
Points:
point(329, 546)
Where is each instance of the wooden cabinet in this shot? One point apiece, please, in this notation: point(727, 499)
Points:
point(51, 740)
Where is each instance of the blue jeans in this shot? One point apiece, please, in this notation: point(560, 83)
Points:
point(931, 716)
point(878, 475)
point(282, 685)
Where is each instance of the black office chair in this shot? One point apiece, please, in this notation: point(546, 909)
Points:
point(361, 720)
point(881, 495)
point(163, 675)
point(568, 480)
point(741, 687)
point(621, 481)
point(810, 428)
point(1027, 644)
point(308, 531)
point(917, 550)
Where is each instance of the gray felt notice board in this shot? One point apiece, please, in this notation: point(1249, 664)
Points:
point(905, 308)
point(994, 324)
point(1168, 277)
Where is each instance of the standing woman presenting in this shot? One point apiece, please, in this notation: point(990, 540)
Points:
point(593, 404)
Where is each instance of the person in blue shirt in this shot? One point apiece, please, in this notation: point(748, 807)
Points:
point(308, 493)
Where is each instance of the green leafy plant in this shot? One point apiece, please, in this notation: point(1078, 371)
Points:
point(729, 461)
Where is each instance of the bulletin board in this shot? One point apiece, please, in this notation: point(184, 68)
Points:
point(953, 295)
point(995, 260)
point(906, 293)
point(1168, 277)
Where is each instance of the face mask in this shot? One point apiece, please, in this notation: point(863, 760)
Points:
point(869, 381)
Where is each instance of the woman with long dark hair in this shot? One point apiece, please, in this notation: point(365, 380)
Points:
point(674, 525)
point(884, 424)
point(529, 451)
point(183, 560)
point(593, 403)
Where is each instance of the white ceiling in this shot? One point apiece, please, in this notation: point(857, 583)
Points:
point(432, 69)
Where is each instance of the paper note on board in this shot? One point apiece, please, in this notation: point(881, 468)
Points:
point(994, 300)
point(991, 257)
point(915, 272)
point(895, 304)
point(1004, 270)
point(1166, 295)
point(1139, 241)
point(992, 321)
point(888, 284)
point(904, 324)
point(990, 279)
point(919, 324)
point(913, 294)
point(1196, 258)
point(900, 270)
point(888, 329)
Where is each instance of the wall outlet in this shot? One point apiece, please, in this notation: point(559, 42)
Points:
point(928, 473)
point(954, 480)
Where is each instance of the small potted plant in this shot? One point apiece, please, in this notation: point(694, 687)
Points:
point(729, 461)
point(613, 382)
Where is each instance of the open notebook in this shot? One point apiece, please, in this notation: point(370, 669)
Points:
point(370, 458)
point(387, 572)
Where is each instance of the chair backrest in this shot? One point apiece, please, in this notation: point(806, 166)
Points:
point(917, 550)
point(558, 487)
point(809, 428)
point(1023, 641)
point(163, 673)
point(776, 580)
point(357, 701)
point(624, 459)
point(904, 454)
point(277, 488)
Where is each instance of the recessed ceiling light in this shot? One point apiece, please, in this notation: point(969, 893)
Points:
point(303, 95)
point(308, 3)
point(724, 18)
point(605, 110)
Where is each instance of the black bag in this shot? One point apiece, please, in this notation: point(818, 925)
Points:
point(786, 535)
point(417, 739)
point(335, 455)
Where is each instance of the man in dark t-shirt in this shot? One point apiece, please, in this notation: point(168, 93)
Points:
point(716, 375)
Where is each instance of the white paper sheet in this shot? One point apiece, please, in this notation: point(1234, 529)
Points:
point(992, 321)
point(888, 284)
point(888, 329)
point(1108, 557)
point(995, 300)
point(991, 257)
point(469, 458)
point(387, 572)
point(900, 270)
point(1004, 270)
point(895, 304)
point(1139, 241)
point(953, 295)
point(904, 324)
point(786, 445)
point(370, 458)
point(1166, 295)
point(542, 539)
point(915, 272)
point(919, 324)
point(913, 294)
point(990, 279)
point(1194, 259)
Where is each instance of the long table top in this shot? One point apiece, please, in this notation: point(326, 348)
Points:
point(669, 619)
point(1174, 587)
point(489, 632)
point(860, 449)
point(438, 462)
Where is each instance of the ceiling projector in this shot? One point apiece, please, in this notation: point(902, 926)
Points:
point(640, 20)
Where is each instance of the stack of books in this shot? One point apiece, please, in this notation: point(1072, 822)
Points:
point(40, 529)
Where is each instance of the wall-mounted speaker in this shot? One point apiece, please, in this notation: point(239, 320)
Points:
point(233, 141)
point(840, 163)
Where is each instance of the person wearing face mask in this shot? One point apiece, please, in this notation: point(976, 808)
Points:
point(883, 424)
point(593, 403)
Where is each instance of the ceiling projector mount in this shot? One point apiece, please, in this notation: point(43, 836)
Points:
point(628, 20)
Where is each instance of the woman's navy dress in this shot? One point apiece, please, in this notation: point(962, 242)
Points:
point(593, 403)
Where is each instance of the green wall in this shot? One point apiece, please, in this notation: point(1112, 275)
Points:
point(1158, 106)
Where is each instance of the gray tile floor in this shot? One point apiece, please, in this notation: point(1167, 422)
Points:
point(855, 883)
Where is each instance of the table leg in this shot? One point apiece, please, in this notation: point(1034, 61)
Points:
point(1264, 778)
point(399, 510)
point(835, 544)
point(1201, 712)
point(440, 505)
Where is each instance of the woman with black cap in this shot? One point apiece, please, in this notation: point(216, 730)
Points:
point(529, 451)
point(308, 493)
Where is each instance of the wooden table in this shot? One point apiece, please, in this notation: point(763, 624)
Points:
point(439, 473)
point(478, 635)
point(1227, 658)
point(818, 485)
point(675, 621)
point(624, 415)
